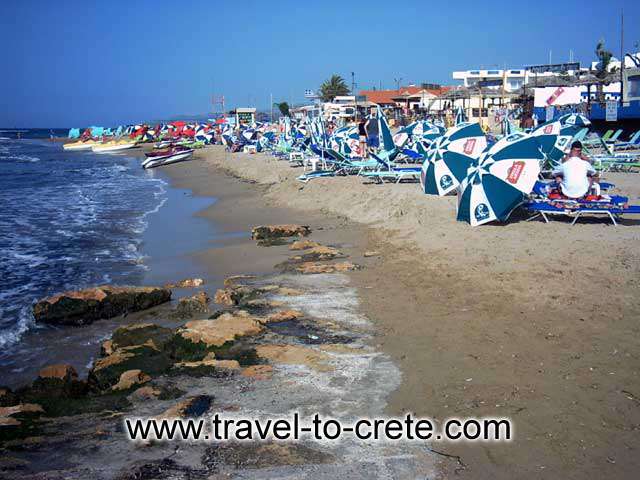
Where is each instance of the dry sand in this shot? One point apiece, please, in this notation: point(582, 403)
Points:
point(532, 321)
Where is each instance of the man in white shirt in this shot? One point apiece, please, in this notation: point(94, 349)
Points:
point(576, 174)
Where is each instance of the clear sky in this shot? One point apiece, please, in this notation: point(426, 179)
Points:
point(75, 63)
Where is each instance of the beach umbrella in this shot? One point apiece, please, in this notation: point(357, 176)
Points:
point(460, 116)
point(574, 120)
point(554, 140)
point(449, 157)
point(498, 182)
point(467, 138)
point(442, 172)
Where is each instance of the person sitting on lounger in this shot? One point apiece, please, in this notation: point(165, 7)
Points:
point(576, 175)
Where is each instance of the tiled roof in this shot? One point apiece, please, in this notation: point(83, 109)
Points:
point(385, 97)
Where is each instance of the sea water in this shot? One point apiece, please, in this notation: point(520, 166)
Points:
point(68, 220)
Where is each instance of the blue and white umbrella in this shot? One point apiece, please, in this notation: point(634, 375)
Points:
point(574, 120)
point(497, 184)
point(460, 116)
point(554, 140)
point(442, 173)
point(450, 156)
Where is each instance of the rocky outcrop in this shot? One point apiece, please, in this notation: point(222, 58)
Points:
point(130, 379)
point(315, 267)
point(239, 295)
point(209, 365)
point(85, 306)
point(295, 355)
point(188, 307)
point(148, 334)
point(226, 328)
point(303, 245)
point(283, 316)
point(269, 232)
point(106, 371)
point(318, 253)
point(186, 283)
point(59, 381)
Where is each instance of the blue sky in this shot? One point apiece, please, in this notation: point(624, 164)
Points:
point(75, 63)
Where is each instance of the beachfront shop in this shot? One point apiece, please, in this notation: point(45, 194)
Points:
point(245, 116)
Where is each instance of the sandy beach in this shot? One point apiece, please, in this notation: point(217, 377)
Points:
point(527, 320)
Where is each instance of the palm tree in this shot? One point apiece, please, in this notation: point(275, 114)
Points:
point(332, 88)
point(603, 66)
point(605, 58)
point(284, 108)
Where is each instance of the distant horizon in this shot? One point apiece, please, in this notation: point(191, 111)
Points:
point(108, 68)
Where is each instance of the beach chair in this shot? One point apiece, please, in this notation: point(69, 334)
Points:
point(389, 171)
point(544, 205)
point(614, 207)
point(614, 138)
point(632, 143)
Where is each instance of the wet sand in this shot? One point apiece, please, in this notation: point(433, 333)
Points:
point(532, 321)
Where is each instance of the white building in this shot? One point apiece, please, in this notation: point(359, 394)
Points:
point(513, 79)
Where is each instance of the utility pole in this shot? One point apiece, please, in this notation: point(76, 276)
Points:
point(622, 59)
point(271, 105)
point(355, 96)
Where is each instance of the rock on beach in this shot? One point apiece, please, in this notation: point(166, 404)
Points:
point(83, 307)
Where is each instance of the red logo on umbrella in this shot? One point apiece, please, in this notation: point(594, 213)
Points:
point(469, 145)
point(514, 172)
point(548, 129)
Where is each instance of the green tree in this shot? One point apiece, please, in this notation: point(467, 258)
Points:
point(604, 56)
point(284, 108)
point(333, 87)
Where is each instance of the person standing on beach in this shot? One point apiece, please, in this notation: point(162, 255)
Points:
point(362, 137)
point(372, 130)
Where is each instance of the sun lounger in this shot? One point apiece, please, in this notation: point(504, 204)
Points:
point(614, 137)
point(612, 206)
point(389, 171)
point(632, 143)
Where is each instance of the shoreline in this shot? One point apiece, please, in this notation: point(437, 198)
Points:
point(476, 320)
point(325, 362)
point(530, 321)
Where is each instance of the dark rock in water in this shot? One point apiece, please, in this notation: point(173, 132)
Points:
point(255, 455)
point(267, 232)
point(189, 306)
point(84, 306)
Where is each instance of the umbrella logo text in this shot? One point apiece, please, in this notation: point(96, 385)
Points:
point(445, 182)
point(469, 145)
point(481, 212)
point(514, 172)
